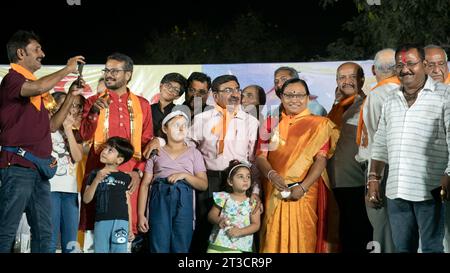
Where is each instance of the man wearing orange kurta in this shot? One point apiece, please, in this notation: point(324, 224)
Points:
point(292, 154)
point(116, 112)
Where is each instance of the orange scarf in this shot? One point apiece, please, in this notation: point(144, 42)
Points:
point(361, 132)
point(338, 110)
point(220, 128)
point(135, 112)
point(49, 102)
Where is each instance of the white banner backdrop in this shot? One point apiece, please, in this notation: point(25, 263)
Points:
point(320, 76)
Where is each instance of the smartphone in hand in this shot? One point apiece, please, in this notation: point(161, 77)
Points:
point(80, 74)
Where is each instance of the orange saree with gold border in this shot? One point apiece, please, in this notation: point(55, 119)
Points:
point(309, 224)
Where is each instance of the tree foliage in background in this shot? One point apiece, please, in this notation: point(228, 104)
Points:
point(180, 44)
point(248, 38)
point(389, 24)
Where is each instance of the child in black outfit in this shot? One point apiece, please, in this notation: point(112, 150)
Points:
point(113, 208)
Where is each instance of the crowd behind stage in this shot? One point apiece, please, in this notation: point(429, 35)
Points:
point(113, 173)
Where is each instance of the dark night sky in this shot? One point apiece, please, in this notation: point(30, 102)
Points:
point(100, 27)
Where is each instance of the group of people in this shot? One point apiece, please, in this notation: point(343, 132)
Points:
point(227, 177)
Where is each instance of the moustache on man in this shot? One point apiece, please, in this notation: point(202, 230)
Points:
point(401, 74)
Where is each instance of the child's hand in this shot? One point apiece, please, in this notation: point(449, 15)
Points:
point(135, 181)
point(259, 206)
point(234, 232)
point(143, 224)
point(175, 177)
point(130, 236)
point(224, 222)
point(102, 174)
point(69, 121)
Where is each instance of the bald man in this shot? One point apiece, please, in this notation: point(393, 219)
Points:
point(436, 65)
point(346, 174)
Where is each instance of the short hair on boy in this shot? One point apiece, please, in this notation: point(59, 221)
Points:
point(178, 78)
point(123, 147)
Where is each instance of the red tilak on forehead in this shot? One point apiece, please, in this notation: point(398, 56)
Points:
point(403, 56)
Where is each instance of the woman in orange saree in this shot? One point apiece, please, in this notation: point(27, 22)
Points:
point(300, 211)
